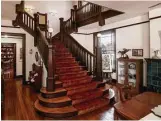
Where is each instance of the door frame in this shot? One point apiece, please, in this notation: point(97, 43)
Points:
point(23, 52)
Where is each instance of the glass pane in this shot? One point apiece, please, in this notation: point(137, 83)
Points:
point(132, 73)
point(121, 72)
point(108, 52)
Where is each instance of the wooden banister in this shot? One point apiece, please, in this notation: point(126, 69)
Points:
point(45, 48)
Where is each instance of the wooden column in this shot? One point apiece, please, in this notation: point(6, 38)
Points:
point(51, 66)
point(75, 18)
point(61, 29)
point(99, 61)
point(35, 28)
point(101, 19)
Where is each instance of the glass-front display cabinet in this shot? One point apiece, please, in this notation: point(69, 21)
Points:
point(130, 71)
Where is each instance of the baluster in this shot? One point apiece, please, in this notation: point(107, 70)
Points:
point(90, 63)
point(87, 61)
point(30, 23)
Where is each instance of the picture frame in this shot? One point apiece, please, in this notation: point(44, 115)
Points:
point(106, 63)
point(137, 52)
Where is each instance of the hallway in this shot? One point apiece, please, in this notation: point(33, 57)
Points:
point(19, 105)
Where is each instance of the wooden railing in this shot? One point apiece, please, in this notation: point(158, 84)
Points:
point(30, 24)
point(71, 24)
point(85, 57)
point(87, 11)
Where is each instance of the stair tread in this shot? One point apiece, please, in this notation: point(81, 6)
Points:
point(80, 86)
point(91, 103)
point(77, 79)
point(70, 67)
point(81, 71)
point(61, 110)
point(43, 90)
point(85, 94)
point(54, 100)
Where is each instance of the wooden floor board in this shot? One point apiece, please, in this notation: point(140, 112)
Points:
point(19, 100)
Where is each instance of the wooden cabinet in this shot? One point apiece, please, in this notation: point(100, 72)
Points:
point(153, 75)
point(8, 54)
point(130, 71)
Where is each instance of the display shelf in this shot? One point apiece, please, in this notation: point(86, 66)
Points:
point(132, 72)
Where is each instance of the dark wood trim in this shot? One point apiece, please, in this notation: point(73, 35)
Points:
point(6, 26)
point(155, 5)
point(121, 27)
point(24, 51)
point(155, 17)
point(81, 33)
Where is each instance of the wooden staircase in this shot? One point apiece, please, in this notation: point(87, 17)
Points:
point(74, 83)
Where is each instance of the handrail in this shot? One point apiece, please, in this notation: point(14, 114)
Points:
point(85, 57)
point(80, 45)
point(31, 25)
point(42, 36)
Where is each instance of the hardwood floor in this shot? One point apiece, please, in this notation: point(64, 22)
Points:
point(19, 100)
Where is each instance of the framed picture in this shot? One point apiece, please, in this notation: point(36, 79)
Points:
point(137, 52)
point(106, 63)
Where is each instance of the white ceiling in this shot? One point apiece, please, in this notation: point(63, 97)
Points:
point(130, 8)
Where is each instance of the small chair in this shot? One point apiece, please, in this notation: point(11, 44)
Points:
point(125, 94)
point(35, 77)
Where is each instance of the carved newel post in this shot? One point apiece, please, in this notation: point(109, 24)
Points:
point(51, 66)
point(99, 59)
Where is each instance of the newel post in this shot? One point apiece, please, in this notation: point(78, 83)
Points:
point(51, 70)
point(61, 29)
point(99, 61)
point(35, 28)
point(75, 18)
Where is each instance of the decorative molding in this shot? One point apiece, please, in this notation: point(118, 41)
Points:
point(82, 33)
point(155, 17)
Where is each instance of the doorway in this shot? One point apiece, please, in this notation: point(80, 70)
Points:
point(107, 42)
point(17, 43)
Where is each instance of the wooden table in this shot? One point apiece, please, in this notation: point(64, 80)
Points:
point(137, 107)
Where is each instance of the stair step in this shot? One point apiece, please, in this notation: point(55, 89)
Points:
point(73, 82)
point(62, 112)
point(58, 84)
point(59, 92)
point(55, 102)
point(85, 96)
point(69, 69)
point(91, 105)
point(72, 75)
point(81, 88)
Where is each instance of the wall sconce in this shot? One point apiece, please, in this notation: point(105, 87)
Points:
point(30, 51)
point(99, 35)
point(50, 30)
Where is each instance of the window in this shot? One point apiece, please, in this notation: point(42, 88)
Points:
point(107, 42)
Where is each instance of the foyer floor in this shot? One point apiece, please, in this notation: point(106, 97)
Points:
point(19, 105)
